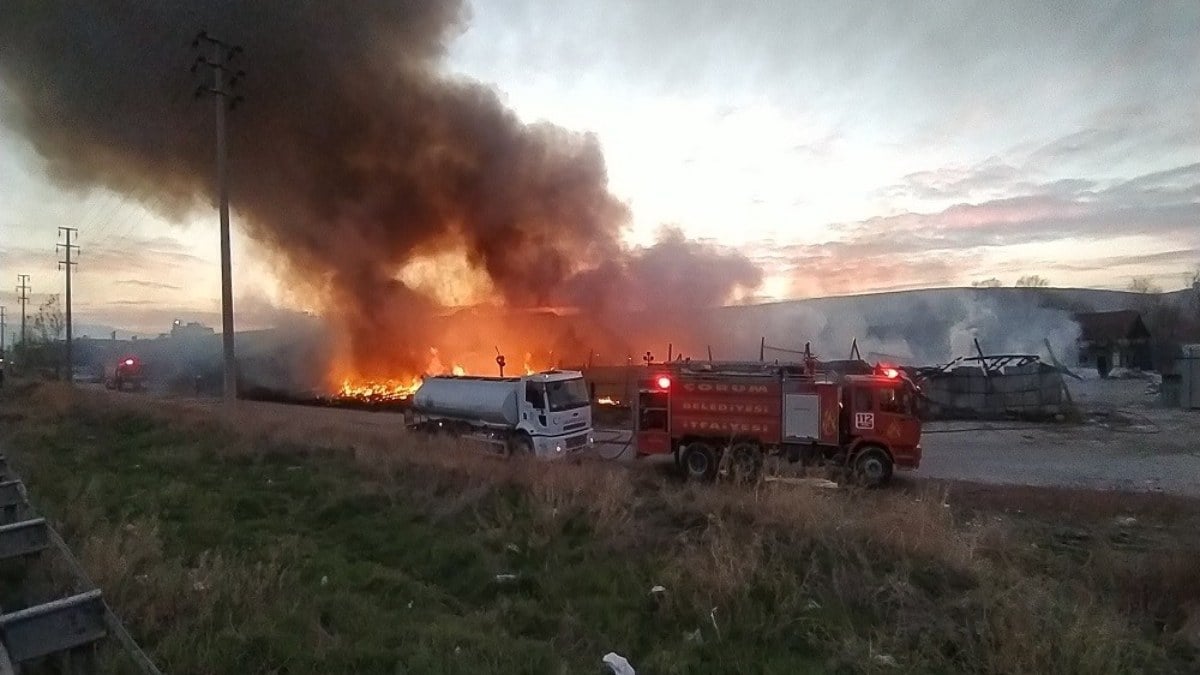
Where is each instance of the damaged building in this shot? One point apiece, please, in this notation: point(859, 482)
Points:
point(994, 387)
point(1109, 340)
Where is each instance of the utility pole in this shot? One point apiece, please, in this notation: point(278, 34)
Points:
point(66, 265)
point(222, 93)
point(2, 327)
point(23, 297)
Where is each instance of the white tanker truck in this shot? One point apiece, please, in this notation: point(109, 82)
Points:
point(546, 414)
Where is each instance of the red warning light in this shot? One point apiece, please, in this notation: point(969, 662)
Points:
point(891, 373)
point(664, 382)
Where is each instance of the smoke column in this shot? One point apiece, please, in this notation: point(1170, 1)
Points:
point(353, 153)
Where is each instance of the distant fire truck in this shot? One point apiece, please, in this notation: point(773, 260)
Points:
point(126, 374)
point(714, 415)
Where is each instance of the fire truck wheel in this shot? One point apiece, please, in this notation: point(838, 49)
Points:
point(872, 467)
point(745, 462)
point(699, 461)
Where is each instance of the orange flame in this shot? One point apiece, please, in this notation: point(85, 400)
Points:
point(386, 390)
point(402, 387)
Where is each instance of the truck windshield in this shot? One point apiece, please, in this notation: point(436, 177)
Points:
point(899, 401)
point(566, 395)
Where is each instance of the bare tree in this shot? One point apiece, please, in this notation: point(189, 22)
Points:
point(1165, 317)
point(1195, 296)
point(986, 283)
point(1033, 281)
point(42, 352)
point(48, 323)
point(1145, 286)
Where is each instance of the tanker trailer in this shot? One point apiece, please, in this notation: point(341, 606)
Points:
point(545, 414)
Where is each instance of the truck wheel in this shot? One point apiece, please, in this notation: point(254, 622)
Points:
point(699, 461)
point(872, 467)
point(745, 464)
point(521, 444)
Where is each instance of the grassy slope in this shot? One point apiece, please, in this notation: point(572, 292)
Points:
point(243, 546)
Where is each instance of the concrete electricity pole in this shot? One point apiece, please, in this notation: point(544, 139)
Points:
point(222, 93)
point(23, 297)
point(2, 327)
point(66, 265)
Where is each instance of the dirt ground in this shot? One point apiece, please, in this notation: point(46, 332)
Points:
point(1127, 442)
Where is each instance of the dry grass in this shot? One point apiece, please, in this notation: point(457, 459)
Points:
point(860, 581)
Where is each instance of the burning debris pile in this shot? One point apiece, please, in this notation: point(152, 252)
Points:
point(375, 392)
point(378, 391)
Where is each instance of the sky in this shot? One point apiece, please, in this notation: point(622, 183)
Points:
point(844, 147)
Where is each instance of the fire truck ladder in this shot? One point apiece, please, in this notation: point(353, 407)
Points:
point(67, 628)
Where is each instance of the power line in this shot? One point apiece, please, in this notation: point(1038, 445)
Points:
point(66, 265)
point(222, 93)
point(113, 200)
point(23, 298)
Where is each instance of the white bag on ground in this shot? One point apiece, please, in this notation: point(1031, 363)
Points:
point(618, 664)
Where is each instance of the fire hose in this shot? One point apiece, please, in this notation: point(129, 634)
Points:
point(614, 439)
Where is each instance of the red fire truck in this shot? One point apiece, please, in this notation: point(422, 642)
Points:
point(127, 373)
point(731, 415)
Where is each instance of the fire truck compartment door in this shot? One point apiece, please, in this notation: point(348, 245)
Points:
point(801, 417)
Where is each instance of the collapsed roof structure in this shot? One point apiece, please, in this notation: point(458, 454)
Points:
point(995, 386)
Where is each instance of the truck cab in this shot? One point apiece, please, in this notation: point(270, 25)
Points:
point(879, 411)
point(556, 413)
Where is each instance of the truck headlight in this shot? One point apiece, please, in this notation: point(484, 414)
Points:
point(558, 448)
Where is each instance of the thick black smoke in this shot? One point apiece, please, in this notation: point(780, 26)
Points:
point(352, 153)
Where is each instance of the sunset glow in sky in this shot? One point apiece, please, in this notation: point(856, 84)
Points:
point(845, 147)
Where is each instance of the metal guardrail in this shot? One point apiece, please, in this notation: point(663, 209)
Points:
point(53, 627)
point(67, 626)
point(24, 538)
point(11, 493)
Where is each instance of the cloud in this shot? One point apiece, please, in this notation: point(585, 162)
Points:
point(1164, 203)
point(921, 249)
point(1085, 142)
point(253, 312)
point(148, 284)
point(157, 253)
point(956, 183)
point(1185, 256)
point(131, 303)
